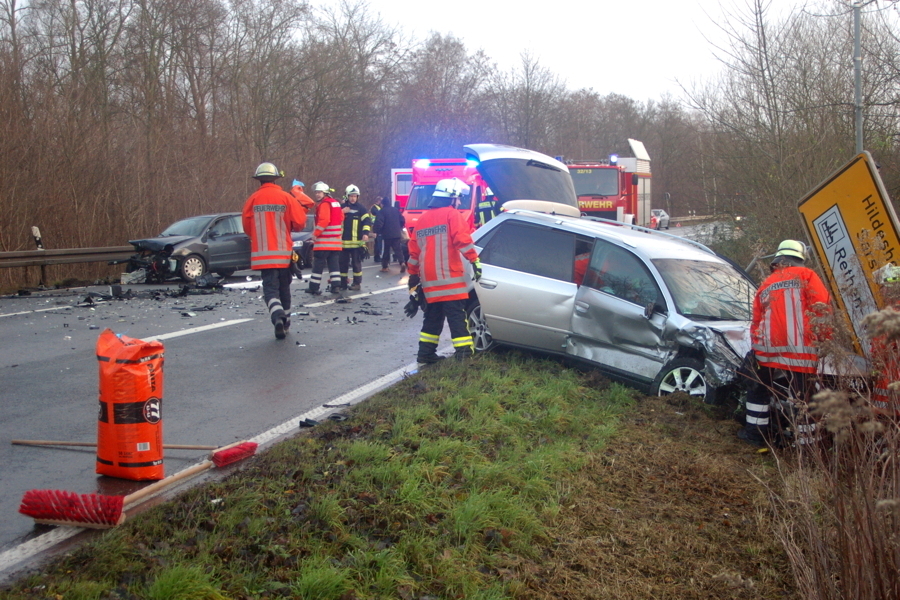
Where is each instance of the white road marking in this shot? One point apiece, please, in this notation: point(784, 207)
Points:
point(363, 295)
point(175, 334)
point(37, 310)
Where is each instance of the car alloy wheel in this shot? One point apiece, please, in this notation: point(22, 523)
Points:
point(683, 375)
point(481, 335)
point(192, 267)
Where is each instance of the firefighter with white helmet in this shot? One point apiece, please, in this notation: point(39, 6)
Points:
point(442, 240)
point(783, 336)
point(269, 216)
point(326, 239)
point(357, 226)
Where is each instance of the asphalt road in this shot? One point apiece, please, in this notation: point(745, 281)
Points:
point(226, 376)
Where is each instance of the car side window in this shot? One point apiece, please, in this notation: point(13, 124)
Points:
point(531, 249)
point(225, 226)
point(617, 271)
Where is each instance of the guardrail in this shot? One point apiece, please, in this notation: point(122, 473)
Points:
point(42, 258)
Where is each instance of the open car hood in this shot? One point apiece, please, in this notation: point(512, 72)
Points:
point(159, 243)
point(525, 179)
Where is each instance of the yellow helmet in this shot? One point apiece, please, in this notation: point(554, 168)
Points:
point(791, 248)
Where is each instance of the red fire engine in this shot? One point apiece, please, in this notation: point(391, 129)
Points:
point(615, 188)
point(425, 175)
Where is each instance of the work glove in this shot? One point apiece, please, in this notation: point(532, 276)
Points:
point(476, 266)
point(414, 281)
point(412, 307)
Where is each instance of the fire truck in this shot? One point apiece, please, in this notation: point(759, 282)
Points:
point(615, 188)
point(401, 184)
point(426, 172)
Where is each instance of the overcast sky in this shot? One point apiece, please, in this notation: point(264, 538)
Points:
point(637, 48)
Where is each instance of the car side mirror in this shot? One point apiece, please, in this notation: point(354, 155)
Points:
point(213, 235)
point(651, 308)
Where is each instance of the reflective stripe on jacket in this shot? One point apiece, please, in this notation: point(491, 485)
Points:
point(329, 221)
point(436, 254)
point(269, 216)
point(781, 332)
point(356, 224)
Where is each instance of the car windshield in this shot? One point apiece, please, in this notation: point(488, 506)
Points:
point(519, 179)
point(707, 290)
point(595, 182)
point(190, 227)
point(420, 196)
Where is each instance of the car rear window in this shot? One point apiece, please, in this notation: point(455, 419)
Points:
point(531, 249)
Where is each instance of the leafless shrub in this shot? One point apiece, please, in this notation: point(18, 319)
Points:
point(838, 505)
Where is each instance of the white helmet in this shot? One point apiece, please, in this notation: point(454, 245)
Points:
point(351, 189)
point(791, 248)
point(450, 188)
point(267, 169)
point(321, 186)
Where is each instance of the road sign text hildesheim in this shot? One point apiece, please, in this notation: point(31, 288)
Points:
point(853, 228)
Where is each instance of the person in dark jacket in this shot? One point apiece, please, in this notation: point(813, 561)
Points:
point(389, 225)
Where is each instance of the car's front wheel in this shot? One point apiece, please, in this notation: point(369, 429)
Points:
point(481, 335)
point(191, 267)
point(683, 375)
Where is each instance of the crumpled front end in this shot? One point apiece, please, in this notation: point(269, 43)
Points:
point(724, 347)
point(154, 258)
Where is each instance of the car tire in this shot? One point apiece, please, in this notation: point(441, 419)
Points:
point(683, 375)
point(226, 273)
point(191, 267)
point(481, 335)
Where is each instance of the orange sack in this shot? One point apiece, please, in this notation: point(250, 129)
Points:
point(129, 427)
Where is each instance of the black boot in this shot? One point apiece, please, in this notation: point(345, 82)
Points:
point(428, 354)
point(753, 434)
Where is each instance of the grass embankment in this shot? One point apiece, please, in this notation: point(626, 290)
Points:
point(504, 477)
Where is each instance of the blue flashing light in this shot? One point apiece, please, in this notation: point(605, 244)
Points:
point(613, 159)
point(472, 163)
point(422, 163)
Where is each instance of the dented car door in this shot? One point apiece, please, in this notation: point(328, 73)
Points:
point(620, 315)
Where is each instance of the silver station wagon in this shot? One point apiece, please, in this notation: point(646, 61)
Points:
point(650, 309)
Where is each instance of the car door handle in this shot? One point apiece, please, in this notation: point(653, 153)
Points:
point(581, 307)
point(487, 284)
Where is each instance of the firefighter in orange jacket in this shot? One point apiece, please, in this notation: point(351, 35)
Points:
point(441, 241)
point(783, 336)
point(269, 216)
point(326, 237)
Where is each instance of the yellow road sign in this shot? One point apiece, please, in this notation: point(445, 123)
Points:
point(853, 227)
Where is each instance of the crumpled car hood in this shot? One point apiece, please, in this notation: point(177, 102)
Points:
point(725, 344)
point(159, 243)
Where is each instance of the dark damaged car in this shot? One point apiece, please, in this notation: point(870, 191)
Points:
point(191, 248)
point(648, 308)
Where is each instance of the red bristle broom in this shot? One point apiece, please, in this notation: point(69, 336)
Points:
point(56, 507)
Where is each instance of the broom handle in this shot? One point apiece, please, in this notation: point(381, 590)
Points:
point(93, 445)
point(164, 483)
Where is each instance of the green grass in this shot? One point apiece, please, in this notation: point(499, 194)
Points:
point(426, 491)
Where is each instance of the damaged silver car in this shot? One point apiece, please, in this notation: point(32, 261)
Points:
point(650, 309)
point(193, 247)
